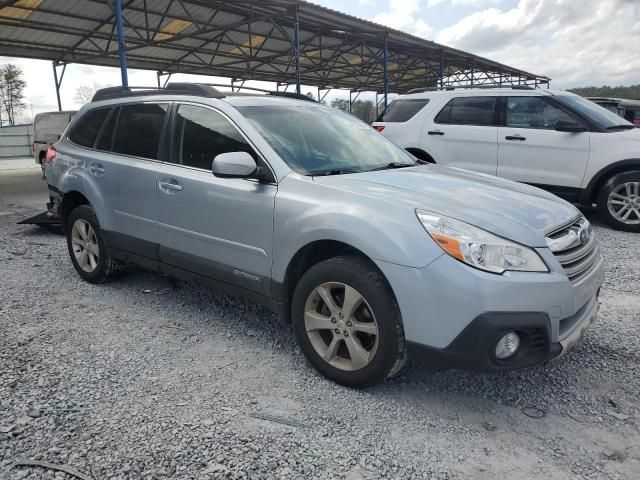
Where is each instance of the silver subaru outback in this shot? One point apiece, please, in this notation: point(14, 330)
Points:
point(371, 255)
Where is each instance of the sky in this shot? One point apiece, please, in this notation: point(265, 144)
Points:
point(575, 42)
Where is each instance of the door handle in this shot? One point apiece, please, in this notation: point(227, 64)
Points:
point(97, 169)
point(515, 137)
point(435, 132)
point(170, 186)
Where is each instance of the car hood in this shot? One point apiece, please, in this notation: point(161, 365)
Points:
point(511, 210)
point(631, 134)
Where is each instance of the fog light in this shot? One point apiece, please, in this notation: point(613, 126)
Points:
point(507, 345)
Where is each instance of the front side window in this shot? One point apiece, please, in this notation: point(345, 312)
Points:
point(139, 129)
point(534, 112)
point(317, 140)
point(85, 132)
point(200, 134)
point(468, 111)
point(402, 110)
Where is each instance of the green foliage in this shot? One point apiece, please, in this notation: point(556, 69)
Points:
point(364, 110)
point(632, 91)
point(12, 86)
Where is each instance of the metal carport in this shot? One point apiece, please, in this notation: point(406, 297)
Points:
point(290, 42)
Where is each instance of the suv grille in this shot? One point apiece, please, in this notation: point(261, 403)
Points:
point(576, 248)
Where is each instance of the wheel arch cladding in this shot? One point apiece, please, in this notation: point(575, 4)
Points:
point(604, 175)
point(306, 257)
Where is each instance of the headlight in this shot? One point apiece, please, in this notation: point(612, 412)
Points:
point(479, 248)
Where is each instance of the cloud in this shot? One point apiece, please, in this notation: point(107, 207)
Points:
point(401, 15)
point(434, 3)
point(574, 43)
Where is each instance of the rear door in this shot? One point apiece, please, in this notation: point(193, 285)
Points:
point(221, 228)
point(531, 150)
point(123, 169)
point(464, 134)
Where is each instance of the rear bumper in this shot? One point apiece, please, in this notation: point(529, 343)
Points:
point(474, 347)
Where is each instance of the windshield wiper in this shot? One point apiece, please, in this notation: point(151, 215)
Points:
point(621, 127)
point(335, 171)
point(391, 165)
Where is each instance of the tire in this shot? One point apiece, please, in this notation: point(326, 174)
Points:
point(374, 329)
point(96, 266)
point(619, 197)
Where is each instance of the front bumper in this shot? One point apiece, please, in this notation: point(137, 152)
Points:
point(454, 314)
point(474, 348)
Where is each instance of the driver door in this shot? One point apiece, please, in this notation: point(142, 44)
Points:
point(221, 228)
point(531, 150)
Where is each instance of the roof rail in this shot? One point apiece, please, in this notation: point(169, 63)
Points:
point(463, 87)
point(298, 96)
point(176, 88)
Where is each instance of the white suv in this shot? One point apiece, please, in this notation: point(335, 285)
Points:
point(551, 139)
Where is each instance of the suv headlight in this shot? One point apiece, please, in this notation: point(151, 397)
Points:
point(479, 248)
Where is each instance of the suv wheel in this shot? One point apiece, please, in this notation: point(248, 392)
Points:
point(348, 323)
point(87, 247)
point(619, 202)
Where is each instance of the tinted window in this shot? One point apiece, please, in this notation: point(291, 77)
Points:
point(534, 112)
point(105, 137)
point(468, 111)
point(402, 110)
point(201, 134)
point(84, 133)
point(139, 129)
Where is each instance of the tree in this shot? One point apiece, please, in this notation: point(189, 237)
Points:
point(12, 86)
point(363, 109)
point(632, 91)
point(84, 93)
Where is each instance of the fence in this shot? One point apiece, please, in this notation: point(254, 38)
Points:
point(15, 141)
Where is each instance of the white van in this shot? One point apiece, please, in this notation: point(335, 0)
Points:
point(47, 130)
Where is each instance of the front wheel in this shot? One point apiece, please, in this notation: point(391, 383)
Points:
point(619, 202)
point(347, 322)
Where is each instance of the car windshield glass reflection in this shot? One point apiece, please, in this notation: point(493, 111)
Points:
point(318, 140)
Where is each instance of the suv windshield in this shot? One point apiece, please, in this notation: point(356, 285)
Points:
point(318, 140)
point(599, 115)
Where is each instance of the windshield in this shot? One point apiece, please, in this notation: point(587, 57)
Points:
point(317, 140)
point(596, 113)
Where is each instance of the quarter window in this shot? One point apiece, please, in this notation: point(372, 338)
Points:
point(402, 110)
point(534, 112)
point(139, 129)
point(84, 133)
point(468, 111)
point(201, 134)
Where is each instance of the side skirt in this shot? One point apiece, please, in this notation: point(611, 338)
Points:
point(160, 268)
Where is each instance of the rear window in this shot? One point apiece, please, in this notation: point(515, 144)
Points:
point(86, 130)
point(139, 130)
point(468, 111)
point(402, 110)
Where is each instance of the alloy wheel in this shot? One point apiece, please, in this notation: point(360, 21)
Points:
point(624, 203)
point(341, 326)
point(85, 245)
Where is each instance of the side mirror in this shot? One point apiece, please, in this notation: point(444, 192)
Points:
point(234, 165)
point(570, 127)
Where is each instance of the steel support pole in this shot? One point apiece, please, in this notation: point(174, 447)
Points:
point(55, 78)
point(121, 45)
point(386, 72)
point(441, 68)
point(349, 101)
point(296, 41)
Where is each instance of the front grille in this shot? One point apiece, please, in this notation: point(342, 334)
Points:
point(576, 248)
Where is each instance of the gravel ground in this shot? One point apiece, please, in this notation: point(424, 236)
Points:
point(143, 378)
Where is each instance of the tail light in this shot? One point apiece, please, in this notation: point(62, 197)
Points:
point(379, 128)
point(51, 155)
point(33, 148)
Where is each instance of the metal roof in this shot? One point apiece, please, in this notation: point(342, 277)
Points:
point(243, 40)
